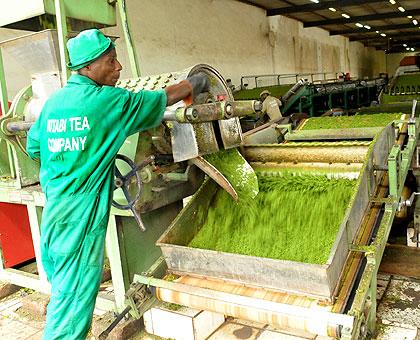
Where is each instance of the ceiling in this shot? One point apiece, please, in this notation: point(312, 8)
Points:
point(391, 26)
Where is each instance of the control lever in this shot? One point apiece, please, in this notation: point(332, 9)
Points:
point(409, 201)
point(122, 182)
point(413, 110)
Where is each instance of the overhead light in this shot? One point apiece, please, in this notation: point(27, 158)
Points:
point(345, 16)
point(409, 16)
point(412, 49)
point(415, 22)
point(383, 35)
point(316, 1)
point(408, 48)
point(392, 2)
point(377, 32)
point(358, 24)
point(367, 27)
point(401, 9)
point(332, 9)
point(405, 45)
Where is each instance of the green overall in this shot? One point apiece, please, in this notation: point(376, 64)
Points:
point(77, 136)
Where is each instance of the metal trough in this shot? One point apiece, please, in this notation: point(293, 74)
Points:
point(315, 280)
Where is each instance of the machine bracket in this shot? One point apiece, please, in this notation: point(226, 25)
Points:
point(140, 298)
point(288, 127)
point(362, 248)
point(384, 200)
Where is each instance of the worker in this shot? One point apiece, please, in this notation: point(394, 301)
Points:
point(77, 137)
point(270, 107)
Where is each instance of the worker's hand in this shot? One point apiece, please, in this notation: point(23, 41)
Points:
point(187, 89)
point(200, 83)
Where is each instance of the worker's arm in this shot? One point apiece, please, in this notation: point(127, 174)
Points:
point(144, 110)
point(187, 89)
point(177, 92)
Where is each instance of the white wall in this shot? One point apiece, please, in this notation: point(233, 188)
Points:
point(238, 39)
point(235, 38)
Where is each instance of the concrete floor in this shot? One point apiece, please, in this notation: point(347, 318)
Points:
point(398, 317)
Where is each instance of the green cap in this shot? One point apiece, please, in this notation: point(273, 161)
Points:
point(265, 92)
point(86, 47)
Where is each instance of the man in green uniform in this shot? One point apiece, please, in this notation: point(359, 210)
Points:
point(270, 106)
point(77, 137)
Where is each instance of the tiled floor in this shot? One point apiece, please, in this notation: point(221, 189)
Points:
point(398, 317)
point(15, 325)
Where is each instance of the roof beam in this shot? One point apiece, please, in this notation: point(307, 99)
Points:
point(252, 4)
point(363, 18)
point(397, 46)
point(406, 35)
point(373, 29)
point(317, 7)
point(385, 44)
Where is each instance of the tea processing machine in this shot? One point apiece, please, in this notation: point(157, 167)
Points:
point(150, 228)
point(402, 88)
point(314, 99)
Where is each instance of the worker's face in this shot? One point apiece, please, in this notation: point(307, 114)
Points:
point(264, 96)
point(105, 70)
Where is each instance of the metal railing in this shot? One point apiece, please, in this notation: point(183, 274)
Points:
point(263, 80)
point(402, 90)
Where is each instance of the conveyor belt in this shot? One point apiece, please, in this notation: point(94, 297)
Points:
point(278, 309)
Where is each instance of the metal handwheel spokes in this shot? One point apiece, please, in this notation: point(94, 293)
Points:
point(122, 182)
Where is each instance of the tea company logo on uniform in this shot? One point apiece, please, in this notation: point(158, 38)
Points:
point(65, 144)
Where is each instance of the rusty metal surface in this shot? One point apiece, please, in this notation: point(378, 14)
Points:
point(333, 134)
point(216, 175)
point(354, 259)
point(348, 170)
point(192, 140)
point(317, 152)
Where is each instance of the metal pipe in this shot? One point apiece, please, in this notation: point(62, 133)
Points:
point(62, 39)
point(19, 126)
point(132, 54)
point(106, 332)
point(242, 108)
point(4, 103)
point(293, 90)
point(213, 111)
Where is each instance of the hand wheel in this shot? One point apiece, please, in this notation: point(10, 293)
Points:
point(122, 182)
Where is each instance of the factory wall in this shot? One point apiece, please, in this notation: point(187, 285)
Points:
point(236, 38)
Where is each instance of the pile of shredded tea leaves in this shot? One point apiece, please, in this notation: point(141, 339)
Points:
point(348, 122)
point(237, 171)
point(293, 217)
